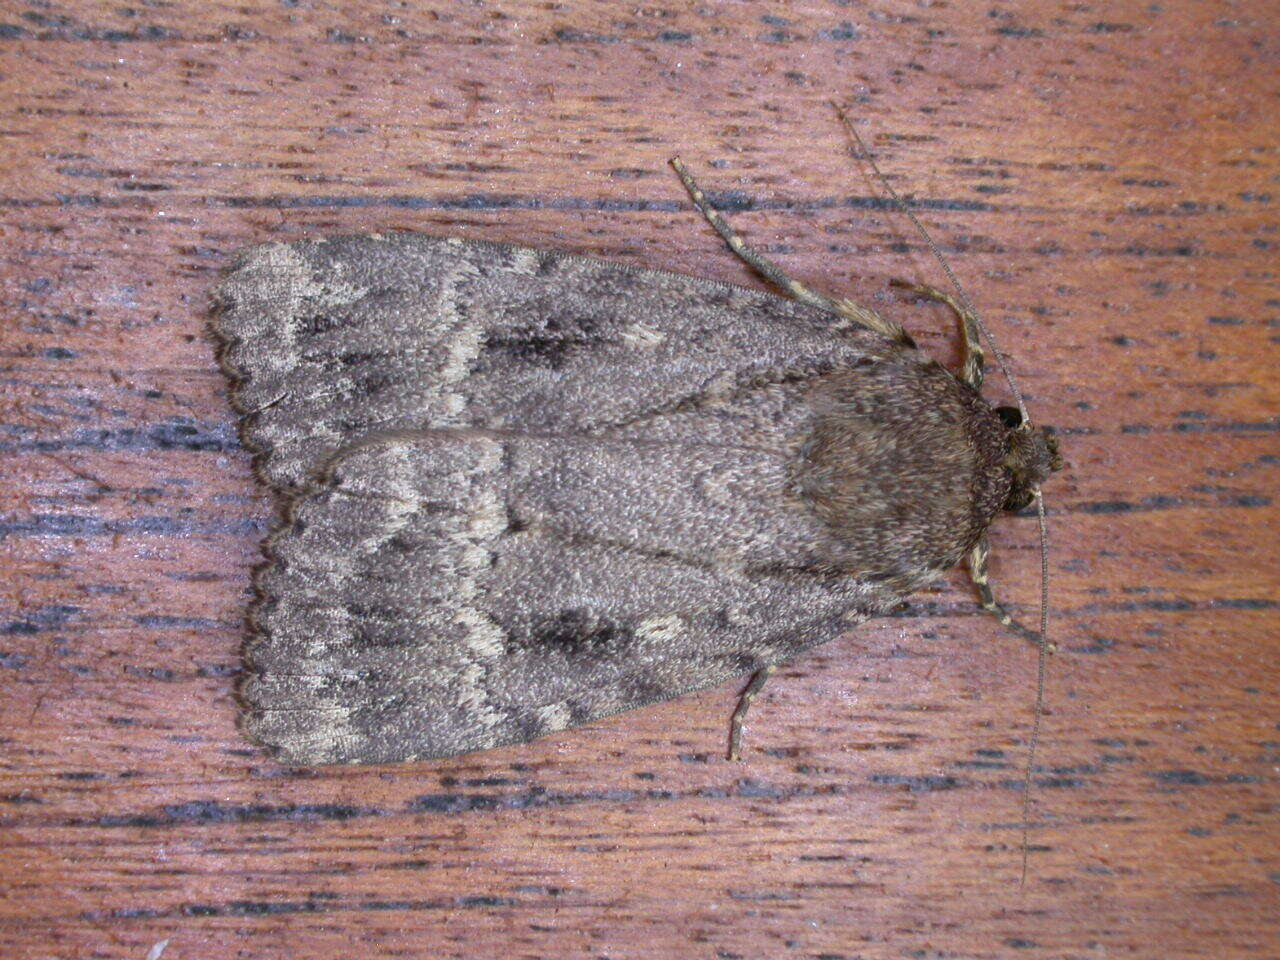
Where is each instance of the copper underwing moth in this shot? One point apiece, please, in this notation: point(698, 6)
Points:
point(526, 489)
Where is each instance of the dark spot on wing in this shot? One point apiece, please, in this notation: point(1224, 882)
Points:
point(400, 544)
point(722, 620)
point(743, 662)
point(529, 726)
point(344, 687)
point(355, 358)
point(331, 362)
point(375, 383)
point(578, 632)
point(383, 635)
point(319, 323)
point(547, 345)
point(638, 689)
point(374, 611)
point(536, 349)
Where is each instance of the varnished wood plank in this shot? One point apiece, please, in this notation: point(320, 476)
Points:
point(1103, 179)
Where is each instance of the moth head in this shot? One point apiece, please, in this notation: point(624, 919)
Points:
point(1032, 455)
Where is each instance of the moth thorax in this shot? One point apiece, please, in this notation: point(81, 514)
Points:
point(906, 466)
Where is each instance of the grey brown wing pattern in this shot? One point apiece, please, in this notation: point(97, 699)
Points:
point(454, 590)
point(328, 341)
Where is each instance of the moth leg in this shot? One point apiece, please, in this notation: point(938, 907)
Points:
point(863, 316)
point(744, 704)
point(971, 369)
point(978, 574)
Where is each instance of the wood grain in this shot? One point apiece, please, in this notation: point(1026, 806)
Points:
point(1102, 176)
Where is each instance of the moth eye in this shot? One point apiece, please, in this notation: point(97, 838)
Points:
point(1018, 499)
point(1010, 416)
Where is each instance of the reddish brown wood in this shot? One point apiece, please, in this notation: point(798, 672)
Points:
point(1103, 178)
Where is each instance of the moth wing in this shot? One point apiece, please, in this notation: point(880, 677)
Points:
point(459, 589)
point(331, 340)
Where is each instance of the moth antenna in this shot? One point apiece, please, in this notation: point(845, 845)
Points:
point(1042, 658)
point(942, 261)
point(1043, 638)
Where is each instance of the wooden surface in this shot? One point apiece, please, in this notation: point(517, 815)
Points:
point(1102, 176)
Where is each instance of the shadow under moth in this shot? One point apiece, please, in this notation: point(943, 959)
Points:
point(526, 489)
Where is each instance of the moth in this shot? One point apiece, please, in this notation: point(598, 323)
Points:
point(527, 489)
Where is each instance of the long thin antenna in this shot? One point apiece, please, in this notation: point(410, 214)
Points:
point(946, 268)
point(1043, 639)
point(1042, 658)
